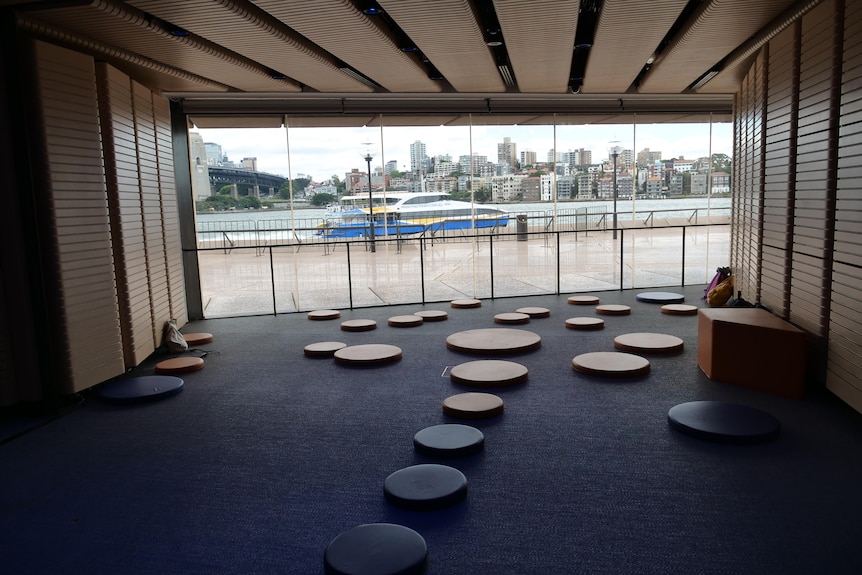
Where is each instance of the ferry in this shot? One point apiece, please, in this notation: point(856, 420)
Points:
point(401, 213)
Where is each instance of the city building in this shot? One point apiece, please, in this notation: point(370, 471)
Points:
point(721, 182)
point(507, 188)
point(507, 153)
point(654, 187)
point(418, 159)
point(532, 189)
point(200, 164)
point(647, 157)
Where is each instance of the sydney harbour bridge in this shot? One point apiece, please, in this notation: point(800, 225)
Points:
point(244, 182)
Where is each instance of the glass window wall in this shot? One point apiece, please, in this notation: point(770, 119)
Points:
point(466, 210)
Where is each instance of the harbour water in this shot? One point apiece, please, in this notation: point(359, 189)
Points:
point(282, 226)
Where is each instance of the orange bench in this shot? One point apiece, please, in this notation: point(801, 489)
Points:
point(752, 348)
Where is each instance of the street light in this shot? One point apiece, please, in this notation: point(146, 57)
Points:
point(368, 154)
point(614, 150)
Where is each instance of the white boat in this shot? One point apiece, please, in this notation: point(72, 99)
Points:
point(399, 213)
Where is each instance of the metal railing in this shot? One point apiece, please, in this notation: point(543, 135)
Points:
point(249, 232)
point(424, 269)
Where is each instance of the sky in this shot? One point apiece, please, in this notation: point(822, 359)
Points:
point(320, 153)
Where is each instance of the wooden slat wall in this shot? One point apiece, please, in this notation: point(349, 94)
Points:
point(779, 191)
point(159, 200)
point(152, 206)
point(812, 216)
point(747, 195)
point(89, 315)
point(814, 206)
point(172, 256)
point(121, 166)
point(845, 318)
point(136, 135)
point(108, 153)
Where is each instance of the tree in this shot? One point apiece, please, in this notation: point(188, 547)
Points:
point(340, 186)
point(722, 163)
point(686, 182)
point(299, 185)
point(322, 199)
point(218, 203)
point(249, 203)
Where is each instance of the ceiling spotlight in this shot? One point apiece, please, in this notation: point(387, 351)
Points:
point(372, 9)
point(177, 31)
point(583, 46)
point(494, 43)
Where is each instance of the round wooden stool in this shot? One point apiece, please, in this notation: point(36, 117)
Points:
point(370, 354)
point(511, 318)
point(179, 365)
point(376, 549)
point(197, 338)
point(425, 487)
point(723, 422)
point(358, 325)
point(449, 440)
point(323, 349)
point(535, 312)
point(494, 341)
point(679, 309)
point(323, 314)
point(433, 315)
point(585, 323)
point(405, 321)
point(466, 303)
point(648, 343)
point(611, 364)
point(473, 405)
point(613, 309)
point(488, 373)
point(584, 300)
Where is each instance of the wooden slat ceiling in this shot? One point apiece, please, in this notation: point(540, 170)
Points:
point(482, 61)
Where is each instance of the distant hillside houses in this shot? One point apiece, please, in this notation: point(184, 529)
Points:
point(566, 175)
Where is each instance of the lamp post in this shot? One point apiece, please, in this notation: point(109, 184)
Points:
point(368, 154)
point(614, 150)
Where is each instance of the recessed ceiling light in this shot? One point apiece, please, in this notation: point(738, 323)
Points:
point(494, 43)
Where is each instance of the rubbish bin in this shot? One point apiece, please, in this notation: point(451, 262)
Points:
point(521, 227)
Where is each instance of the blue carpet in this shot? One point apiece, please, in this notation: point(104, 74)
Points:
point(267, 455)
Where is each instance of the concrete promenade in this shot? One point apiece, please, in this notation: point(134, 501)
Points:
point(341, 275)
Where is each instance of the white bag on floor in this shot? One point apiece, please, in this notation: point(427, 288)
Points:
point(172, 339)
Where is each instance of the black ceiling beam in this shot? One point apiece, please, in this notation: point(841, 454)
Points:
point(585, 33)
point(493, 36)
